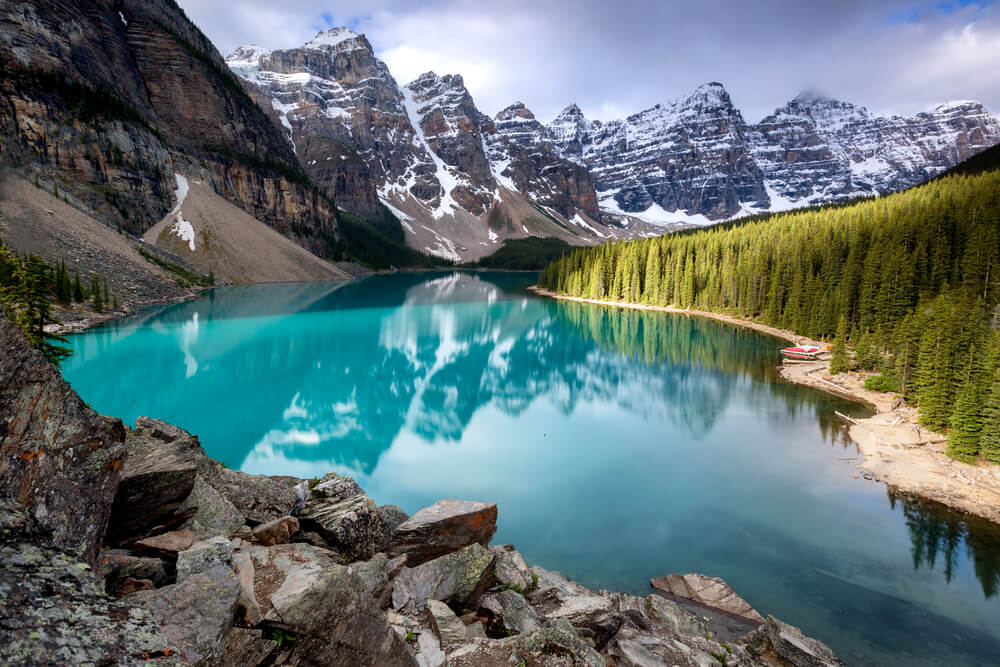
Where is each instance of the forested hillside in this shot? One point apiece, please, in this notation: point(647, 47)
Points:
point(910, 281)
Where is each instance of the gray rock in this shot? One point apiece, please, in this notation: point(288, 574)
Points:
point(507, 613)
point(279, 531)
point(709, 591)
point(202, 556)
point(248, 648)
point(511, 568)
point(553, 645)
point(475, 630)
point(53, 609)
point(654, 610)
point(458, 579)
point(449, 629)
point(429, 651)
point(157, 476)
point(392, 515)
point(117, 565)
point(196, 614)
point(444, 527)
point(351, 525)
point(213, 514)
point(60, 460)
point(593, 616)
point(374, 577)
point(788, 642)
point(335, 488)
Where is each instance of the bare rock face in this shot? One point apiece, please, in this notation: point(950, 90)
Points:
point(592, 615)
point(444, 527)
point(507, 613)
point(458, 579)
point(709, 591)
point(57, 457)
point(556, 644)
point(162, 95)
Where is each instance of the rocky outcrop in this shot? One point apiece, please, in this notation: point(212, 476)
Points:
point(57, 456)
point(444, 527)
point(53, 610)
point(709, 591)
point(346, 519)
point(458, 579)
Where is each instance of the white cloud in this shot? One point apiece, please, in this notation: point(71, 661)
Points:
point(614, 59)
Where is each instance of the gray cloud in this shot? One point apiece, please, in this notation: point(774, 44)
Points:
point(617, 58)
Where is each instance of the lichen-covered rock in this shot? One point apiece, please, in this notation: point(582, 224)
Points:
point(57, 456)
point(117, 565)
point(656, 609)
point(53, 609)
point(279, 531)
point(555, 645)
point(196, 613)
point(507, 613)
point(458, 579)
point(345, 518)
point(790, 645)
point(449, 629)
point(709, 591)
point(202, 556)
point(444, 527)
point(593, 616)
point(392, 515)
point(213, 513)
point(248, 648)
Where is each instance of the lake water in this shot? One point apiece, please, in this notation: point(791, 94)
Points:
point(619, 444)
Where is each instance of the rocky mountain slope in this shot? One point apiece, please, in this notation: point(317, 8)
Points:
point(445, 168)
point(125, 546)
point(102, 102)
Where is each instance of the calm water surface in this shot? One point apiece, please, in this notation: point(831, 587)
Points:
point(619, 445)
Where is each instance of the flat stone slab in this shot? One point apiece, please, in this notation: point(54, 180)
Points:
point(444, 527)
point(709, 591)
point(167, 545)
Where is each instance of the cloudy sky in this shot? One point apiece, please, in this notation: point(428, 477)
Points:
point(616, 58)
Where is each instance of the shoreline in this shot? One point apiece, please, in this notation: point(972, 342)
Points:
point(895, 450)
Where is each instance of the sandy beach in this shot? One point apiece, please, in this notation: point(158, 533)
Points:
point(896, 450)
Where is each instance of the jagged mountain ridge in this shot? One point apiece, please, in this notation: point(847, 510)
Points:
point(694, 160)
point(458, 181)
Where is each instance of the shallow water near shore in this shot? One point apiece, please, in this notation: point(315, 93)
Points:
point(618, 444)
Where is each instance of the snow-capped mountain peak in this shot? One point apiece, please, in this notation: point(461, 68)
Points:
point(331, 39)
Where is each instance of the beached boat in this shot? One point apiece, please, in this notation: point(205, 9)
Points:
point(801, 352)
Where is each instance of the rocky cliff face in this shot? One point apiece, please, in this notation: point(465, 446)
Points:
point(526, 159)
point(103, 100)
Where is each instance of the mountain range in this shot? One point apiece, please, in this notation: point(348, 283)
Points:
point(444, 168)
point(119, 108)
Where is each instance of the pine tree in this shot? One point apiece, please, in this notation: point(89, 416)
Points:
point(95, 293)
point(107, 297)
point(840, 361)
point(989, 442)
point(77, 287)
point(966, 425)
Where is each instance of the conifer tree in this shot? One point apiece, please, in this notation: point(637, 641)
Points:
point(966, 425)
point(77, 287)
point(840, 360)
point(95, 293)
point(989, 442)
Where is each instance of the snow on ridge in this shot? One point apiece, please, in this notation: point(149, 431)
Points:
point(655, 214)
point(330, 39)
point(182, 227)
point(445, 178)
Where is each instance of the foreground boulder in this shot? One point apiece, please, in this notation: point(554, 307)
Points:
point(458, 579)
point(53, 609)
point(196, 614)
point(118, 565)
point(789, 644)
point(444, 527)
point(556, 644)
point(347, 520)
point(157, 477)
point(507, 613)
point(593, 615)
point(709, 591)
point(58, 458)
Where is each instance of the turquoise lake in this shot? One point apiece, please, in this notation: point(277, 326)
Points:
point(618, 444)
